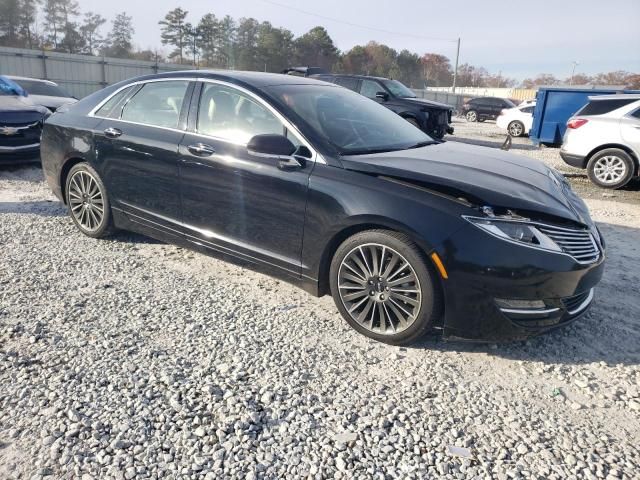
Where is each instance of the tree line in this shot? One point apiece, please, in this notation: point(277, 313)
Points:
point(247, 44)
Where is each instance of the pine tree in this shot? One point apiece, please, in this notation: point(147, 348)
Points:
point(90, 31)
point(120, 37)
point(174, 32)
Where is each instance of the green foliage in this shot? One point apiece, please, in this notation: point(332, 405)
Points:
point(175, 31)
point(119, 40)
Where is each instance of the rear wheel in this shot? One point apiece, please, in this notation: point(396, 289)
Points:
point(472, 116)
point(88, 201)
point(383, 287)
point(611, 168)
point(516, 128)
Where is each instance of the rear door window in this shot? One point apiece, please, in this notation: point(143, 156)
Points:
point(157, 104)
point(108, 110)
point(348, 82)
point(600, 107)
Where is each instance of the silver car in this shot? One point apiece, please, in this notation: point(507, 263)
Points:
point(44, 92)
point(604, 138)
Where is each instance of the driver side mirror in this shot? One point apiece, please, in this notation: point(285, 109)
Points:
point(270, 145)
point(384, 96)
point(277, 147)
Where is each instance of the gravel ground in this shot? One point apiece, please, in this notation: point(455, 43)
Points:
point(129, 358)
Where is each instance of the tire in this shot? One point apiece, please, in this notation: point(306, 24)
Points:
point(611, 168)
point(471, 116)
point(516, 129)
point(419, 303)
point(88, 202)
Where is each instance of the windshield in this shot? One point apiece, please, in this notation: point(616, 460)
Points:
point(398, 89)
point(42, 88)
point(352, 123)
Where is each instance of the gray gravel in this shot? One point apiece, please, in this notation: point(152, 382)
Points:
point(128, 358)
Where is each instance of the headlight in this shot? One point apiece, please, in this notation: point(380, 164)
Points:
point(516, 231)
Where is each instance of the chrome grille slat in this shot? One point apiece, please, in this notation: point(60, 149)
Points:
point(580, 244)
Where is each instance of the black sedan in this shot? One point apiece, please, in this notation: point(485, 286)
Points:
point(323, 187)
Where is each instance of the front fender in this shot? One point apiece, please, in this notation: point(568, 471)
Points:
point(342, 202)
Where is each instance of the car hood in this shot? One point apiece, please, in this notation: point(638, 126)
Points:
point(427, 103)
point(14, 103)
point(492, 176)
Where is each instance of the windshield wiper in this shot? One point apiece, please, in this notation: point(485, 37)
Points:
point(366, 151)
point(422, 144)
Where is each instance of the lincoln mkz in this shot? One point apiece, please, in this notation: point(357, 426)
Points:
point(318, 185)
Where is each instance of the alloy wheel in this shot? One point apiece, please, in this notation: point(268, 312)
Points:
point(515, 129)
point(86, 200)
point(472, 116)
point(610, 169)
point(379, 289)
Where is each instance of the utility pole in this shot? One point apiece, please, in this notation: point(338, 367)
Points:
point(455, 72)
point(573, 72)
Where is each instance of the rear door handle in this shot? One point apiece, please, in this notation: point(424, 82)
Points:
point(201, 150)
point(113, 132)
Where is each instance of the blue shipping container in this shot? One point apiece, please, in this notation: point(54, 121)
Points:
point(555, 105)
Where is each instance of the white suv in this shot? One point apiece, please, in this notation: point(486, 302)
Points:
point(604, 138)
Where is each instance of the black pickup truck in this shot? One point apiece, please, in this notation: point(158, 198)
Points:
point(432, 118)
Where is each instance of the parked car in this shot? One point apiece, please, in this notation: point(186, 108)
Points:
point(485, 108)
point(44, 92)
point(517, 120)
point(20, 124)
point(320, 186)
point(432, 118)
point(604, 138)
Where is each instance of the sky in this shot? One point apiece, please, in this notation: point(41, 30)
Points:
point(517, 39)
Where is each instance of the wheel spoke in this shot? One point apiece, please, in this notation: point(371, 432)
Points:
point(353, 278)
point(353, 296)
point(400, 269)
point(363, 314)
point(409, 278)
point(405, 299)
point(361, 275)
point(364, 257)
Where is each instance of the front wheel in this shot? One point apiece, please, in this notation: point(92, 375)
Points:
point(471, 116)
point(384, 287)
point(611, 168)
point(88, 201)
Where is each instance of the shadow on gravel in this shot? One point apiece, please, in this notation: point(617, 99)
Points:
point(130, 237)
point(609, 332)
point(25, 172)
point(43, 208)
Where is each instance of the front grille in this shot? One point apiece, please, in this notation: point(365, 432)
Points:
point(580, 244)
point(26, 134)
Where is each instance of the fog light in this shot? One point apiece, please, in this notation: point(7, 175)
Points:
point(523, 304)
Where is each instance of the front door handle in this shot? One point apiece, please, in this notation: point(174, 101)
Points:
point(113, 132)
point(201, 150)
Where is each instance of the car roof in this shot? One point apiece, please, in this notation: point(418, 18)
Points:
point(619, 96)
point(14, 77)
point(254, 79)
point(350, 75)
